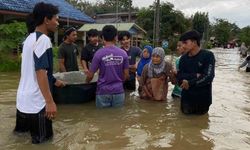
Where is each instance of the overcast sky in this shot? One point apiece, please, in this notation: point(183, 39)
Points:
point(235, 11)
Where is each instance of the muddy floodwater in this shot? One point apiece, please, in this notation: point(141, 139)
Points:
point(143, 124)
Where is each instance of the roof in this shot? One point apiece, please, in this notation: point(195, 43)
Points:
point(131, 27)
point(66, 9)
point(108, 20)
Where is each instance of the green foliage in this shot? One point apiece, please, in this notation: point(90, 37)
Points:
point(11, 35)
point(173, 43)
point(145, 42)
point(224, 31)
point(200, 22)
point(9, 62)
point(244, 35)
point(146, 21)
point(172, 21)
point(107, 6)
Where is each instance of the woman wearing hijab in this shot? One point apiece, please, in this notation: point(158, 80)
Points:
point(145, 59)
point(155, 77)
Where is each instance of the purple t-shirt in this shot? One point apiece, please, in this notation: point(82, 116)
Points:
point(111, 62)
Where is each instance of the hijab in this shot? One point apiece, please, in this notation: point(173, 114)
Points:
point(143, 60)
point(155, 70)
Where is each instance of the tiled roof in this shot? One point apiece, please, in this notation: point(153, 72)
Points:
point(66, 9)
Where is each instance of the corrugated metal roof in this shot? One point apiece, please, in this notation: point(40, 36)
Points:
point(120, 27)
point(66, 9)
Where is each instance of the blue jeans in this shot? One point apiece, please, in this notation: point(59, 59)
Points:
point(110, 100)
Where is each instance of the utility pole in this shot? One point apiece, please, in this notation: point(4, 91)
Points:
point(157, 22)
point(129, 10)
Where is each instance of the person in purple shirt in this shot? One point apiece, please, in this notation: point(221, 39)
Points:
point(113, 66)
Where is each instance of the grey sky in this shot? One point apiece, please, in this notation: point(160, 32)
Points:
point(235, 11)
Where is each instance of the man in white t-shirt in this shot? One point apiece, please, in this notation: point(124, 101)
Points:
point(35, 105)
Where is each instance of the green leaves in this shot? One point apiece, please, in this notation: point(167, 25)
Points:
point(11, 35)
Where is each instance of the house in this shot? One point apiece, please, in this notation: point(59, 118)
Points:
point(18, 10)
point(136, 31)
point(121, 17)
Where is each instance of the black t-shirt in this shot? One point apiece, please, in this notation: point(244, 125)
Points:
point(69, 53)
point(200, 89)
point(88, 52)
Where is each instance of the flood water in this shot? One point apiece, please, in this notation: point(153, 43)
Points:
point(144, 124)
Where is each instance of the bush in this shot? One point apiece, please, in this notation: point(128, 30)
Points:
point(11, 35)
point(9, 62)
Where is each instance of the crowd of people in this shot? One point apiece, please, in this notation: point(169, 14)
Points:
point(117, 67)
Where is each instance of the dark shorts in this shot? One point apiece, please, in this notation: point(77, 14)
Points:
point(130, 84)
point(38, 125)
point(247, 69)
point(194, 109)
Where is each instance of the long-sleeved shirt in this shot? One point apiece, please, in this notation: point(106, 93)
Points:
point(200, 88)
point(246, 62)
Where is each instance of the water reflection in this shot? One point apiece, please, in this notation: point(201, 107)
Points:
point(144, 124)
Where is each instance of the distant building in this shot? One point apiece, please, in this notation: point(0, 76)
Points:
point(18, 10)
point(136, 31)
point(122, 17)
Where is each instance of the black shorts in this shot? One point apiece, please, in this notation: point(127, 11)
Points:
point(247, 69)
point(38, 125)
point(129, 85)
point(194, 109)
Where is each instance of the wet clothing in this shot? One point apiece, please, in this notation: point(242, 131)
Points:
point(111, 62)
point(107, 100)
point(37, 54)
point(69, 53)
point(88, 52)
point(156, 87)
point(177, 89)
point(39, 126)
point(199, 94)
point(246, 62)
point(132, 53)
point(243, 50)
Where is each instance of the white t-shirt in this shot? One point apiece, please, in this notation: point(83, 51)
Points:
point(29, 97)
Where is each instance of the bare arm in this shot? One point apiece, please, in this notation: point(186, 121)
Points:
point(43, 84)
point(84, 66)
point(61, 65)
point(126, 74)
point(89, 77)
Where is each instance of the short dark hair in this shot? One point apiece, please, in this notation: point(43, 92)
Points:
point(109, 32)
point(40, 11)
point(191, 35)
point(69, 30)
point(92, 32)
point(122, 34)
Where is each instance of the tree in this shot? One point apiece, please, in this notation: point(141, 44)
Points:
point(224, 31)
point(107, 6)
point(172, 22)
point(200, 23)
point(11, 35)
point(244, 35)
